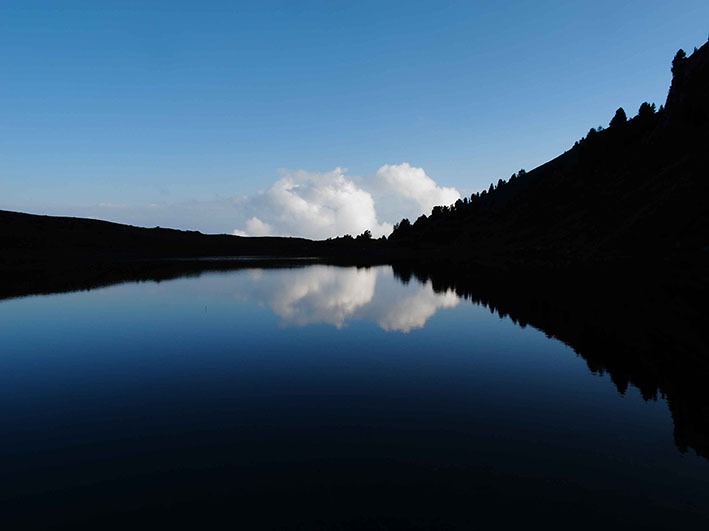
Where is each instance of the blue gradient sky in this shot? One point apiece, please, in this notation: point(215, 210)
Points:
point(141, 102)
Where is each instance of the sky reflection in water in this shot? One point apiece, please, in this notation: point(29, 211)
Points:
point(237, 391)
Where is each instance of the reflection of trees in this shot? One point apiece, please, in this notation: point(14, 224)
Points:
point(628, 327)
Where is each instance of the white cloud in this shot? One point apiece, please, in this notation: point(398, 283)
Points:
point(314, 205)
point(255, 227)
point(299, 203)
point(413, 183)
point(322, 205)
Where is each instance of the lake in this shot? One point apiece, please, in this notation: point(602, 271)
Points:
point(321, 397)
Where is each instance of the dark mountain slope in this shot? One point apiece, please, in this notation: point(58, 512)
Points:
point(635, 191)
point(30, 238)
point(31, 242)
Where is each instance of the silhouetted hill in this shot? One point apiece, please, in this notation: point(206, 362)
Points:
point(29, 241)
point(634, 191)
point(34, 236)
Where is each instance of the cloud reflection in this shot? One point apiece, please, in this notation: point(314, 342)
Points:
point(414, 310)
point(335, 295)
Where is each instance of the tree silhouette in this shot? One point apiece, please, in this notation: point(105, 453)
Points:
point(619, 118)
point(680, 56)
point(646, 110)
point(402, 228)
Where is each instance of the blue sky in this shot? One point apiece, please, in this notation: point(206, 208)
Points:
point(107, 108)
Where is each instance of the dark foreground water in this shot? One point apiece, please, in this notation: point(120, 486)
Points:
point(318, 398)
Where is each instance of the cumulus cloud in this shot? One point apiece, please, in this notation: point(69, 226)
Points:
point(314, 205)
point(322, 205)
point(299, 203)
point(255, 227)
point(413, 183)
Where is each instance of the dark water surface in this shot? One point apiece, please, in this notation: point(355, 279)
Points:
point(316, 398)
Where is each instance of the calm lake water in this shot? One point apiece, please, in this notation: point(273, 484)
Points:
point(320, 397)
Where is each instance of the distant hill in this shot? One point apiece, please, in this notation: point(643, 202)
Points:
point(636, 190)
point(27, 237)
point(32, 242)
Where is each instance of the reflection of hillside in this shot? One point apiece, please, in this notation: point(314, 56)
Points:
point(638, 332)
